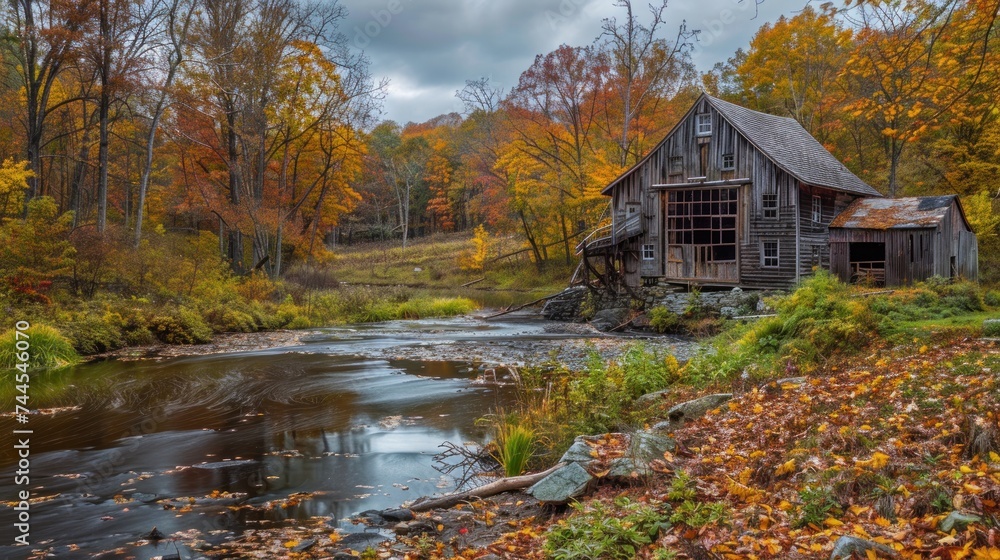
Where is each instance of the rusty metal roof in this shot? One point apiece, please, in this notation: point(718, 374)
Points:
point(919, 212)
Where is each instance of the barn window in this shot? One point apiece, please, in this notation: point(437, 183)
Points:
point(817, 209)
point(769, 204)
point(769, 254)
point(703, 220)
point(676, 165)
point(703, 124)
point(728, 162)
point(648, 252)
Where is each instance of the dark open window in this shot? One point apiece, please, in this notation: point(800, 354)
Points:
point(867, 263)
point(705, 218)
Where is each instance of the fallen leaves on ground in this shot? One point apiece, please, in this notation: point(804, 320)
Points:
point(897, 440)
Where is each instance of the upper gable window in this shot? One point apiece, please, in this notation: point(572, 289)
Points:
point(703, 124)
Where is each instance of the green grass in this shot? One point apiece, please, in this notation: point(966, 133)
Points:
point(515, 447)
point(966, 321)
point(44, 347)
point(416, 308)
point(432, 265)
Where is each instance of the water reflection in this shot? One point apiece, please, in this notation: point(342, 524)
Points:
point(359, 432)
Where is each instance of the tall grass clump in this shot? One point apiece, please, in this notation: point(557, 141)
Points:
point(47, 348)
point(515, 446)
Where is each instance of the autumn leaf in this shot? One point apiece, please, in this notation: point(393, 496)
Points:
point(785, 468)
point(877, 461)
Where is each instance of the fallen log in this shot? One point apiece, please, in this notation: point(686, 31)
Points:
point(467, 284)
point(520, 307)
point(485, 491)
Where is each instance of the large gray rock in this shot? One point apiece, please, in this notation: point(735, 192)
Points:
point(563, 485)
point(691, 410)
point(647, 446)
point(846, 547)
point(652, 398)
point(607, 319)
point(579, 452)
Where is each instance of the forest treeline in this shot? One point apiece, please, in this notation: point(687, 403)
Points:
point(253, 126)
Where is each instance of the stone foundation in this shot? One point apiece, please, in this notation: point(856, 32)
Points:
point(578, 303)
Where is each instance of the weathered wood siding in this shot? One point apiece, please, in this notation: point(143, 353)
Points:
point(684, 158)
point(814, 236)
point(947, 249)
point(684, 155)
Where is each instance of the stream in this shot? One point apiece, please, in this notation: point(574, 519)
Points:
point(353, 417)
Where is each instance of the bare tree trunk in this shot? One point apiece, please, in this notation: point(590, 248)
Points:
point(104, 107)
point(175, 58)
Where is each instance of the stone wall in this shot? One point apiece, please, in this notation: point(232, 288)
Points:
point(578, 303)
point(727, 303)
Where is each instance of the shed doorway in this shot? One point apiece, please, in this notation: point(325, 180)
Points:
point(867, 263)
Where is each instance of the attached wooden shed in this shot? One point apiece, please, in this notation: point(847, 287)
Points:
point(900, 241)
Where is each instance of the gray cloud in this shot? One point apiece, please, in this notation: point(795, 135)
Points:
point(428, 48)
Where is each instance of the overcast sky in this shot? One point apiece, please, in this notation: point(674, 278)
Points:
point(429, 48)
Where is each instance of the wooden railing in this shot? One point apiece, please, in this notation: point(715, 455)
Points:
point(612, 234)
point(868, 272)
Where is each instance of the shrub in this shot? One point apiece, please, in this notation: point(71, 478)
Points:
point(47, 347)
point(256, 287)
point(223, 318)
point(92, 334)
point(815, 321)
point(699, 514)
point(597, 531)
point(645, 371)
point(992, 298)
point(180, 326)
point(665, 321)
point(816, 504)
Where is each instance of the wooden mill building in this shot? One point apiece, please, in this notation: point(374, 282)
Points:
point(735, 197)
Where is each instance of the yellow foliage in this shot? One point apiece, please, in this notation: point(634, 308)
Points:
point(979, 211)
point(13, 182)
point(878, 461)
point(476, 259)
point(786, 468)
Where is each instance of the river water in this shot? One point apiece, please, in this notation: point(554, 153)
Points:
point(348, 415)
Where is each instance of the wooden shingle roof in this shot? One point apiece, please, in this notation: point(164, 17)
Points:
point(783, 141)
point(790, 147)
point(917, 212)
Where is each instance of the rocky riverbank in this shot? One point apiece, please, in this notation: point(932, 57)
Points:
point(570, 344)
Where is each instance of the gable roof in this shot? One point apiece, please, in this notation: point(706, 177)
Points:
point(783, 141)
point(916, 212)
point(787, 144)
